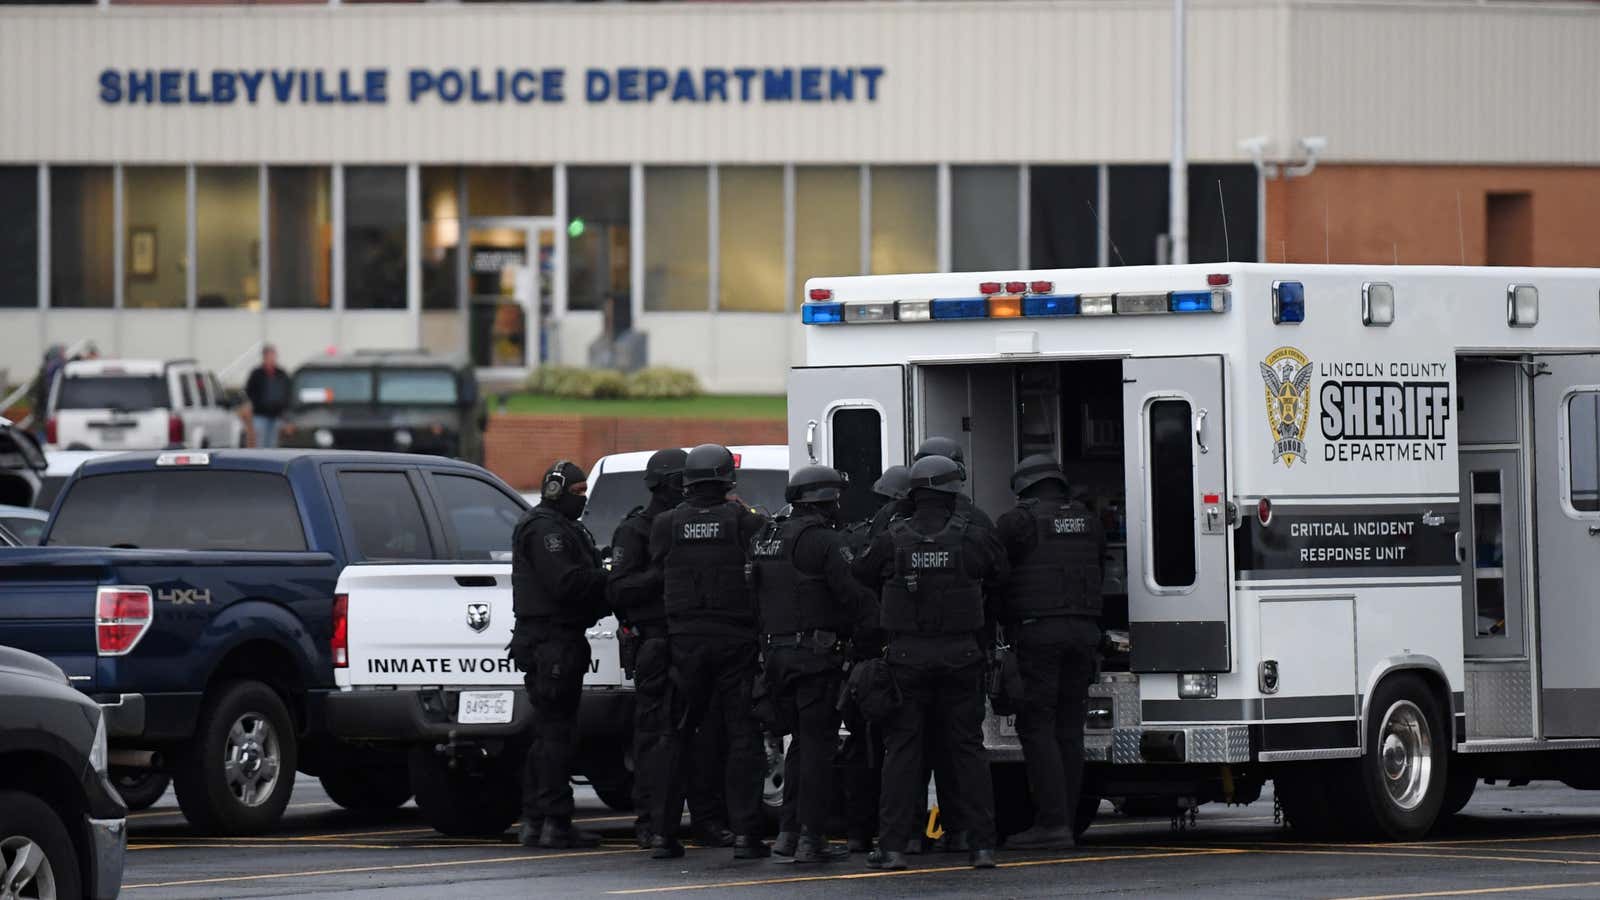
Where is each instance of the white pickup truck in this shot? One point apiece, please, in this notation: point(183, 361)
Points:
point(426, 664)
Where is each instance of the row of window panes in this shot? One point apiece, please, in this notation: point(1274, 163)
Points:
point(744, 262)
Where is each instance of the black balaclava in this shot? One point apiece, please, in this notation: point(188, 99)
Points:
point(566, 503)
point(828, 511)
point(1048, 489)
point(669, 492)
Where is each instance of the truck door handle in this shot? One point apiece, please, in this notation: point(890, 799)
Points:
point(811, 440)
point(1200, 431)
point(1461, 551)
point(1594, 530)
point(476, 580)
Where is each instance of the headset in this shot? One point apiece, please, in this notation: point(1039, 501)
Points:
point(556, 482)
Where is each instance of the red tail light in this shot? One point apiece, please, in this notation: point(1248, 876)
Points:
point(1041, 287)
point(174, 430)
point(340, 643)
point(1219, 279)
point(1016, 287)
point(989, 287)
point(50, 430)
point(822, 293)
point(122, 616)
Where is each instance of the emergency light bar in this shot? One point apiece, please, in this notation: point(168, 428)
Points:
point(995, 305)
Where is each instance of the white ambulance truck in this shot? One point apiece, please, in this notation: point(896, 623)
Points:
point(1353, 512)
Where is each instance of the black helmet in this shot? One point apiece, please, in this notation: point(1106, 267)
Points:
point(815, 484)
point(894, 483)
point(708, 463)
point(663, 465)
point(1034, 469)
point(938, 473)
point(938, 445)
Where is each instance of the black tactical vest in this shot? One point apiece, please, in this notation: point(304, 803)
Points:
point(931, 592)
point(792, 601)
point(528, 596)
point(705, 577)
point(1061, 575)
point(637, 522)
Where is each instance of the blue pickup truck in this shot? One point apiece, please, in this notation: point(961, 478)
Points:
point(191, 594)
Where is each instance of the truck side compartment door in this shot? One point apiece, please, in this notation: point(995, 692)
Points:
point(1566, 423)
point(852, 418)
point(1175, 459)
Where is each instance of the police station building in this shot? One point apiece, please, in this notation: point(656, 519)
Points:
point(527, 183)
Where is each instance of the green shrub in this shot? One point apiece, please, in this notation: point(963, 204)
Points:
point(577, 382)
point(660, 382)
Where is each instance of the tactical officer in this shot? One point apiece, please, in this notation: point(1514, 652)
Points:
point(635, 593)
point(558, 591)
point(934, 568)
point(950, 449)
point(1050, 607)
point(701, 549)
point(810, 606)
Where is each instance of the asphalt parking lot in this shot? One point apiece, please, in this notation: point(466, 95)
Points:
point(1541, 840)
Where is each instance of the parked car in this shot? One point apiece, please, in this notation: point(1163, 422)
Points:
point(25, 523)
point(403, 401)
point(22, 465)
point(139, 404)
point(425, 665)
point(192, 594)
point(62, 827)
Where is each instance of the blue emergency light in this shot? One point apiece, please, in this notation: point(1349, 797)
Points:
point(1288, 303)
point(1050, 305)
point(1190, 301)
point(961, 308)
point(822, 313)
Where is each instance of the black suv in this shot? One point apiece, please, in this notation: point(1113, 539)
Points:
point(406, 401)
point(63, 829)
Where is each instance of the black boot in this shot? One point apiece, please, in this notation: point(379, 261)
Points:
point(711, 834)
point(663, 847)
point(528, 831)
point(887, 860)
point(561, 835)
point(786, 843)
point(982, 859)
point(642, 833)
point(747, 847)
point(814, 848)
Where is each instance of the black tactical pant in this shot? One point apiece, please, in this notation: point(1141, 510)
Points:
point(805, 687)
point(943, 699)
point(652, 721)
point(554, 660)
point(1057, 664)
point(711, 678)
point(862, 768)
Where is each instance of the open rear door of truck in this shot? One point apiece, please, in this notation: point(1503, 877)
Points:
point(1176, 466)
point(852, 418)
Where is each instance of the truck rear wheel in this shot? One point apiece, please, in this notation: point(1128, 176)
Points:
point(1397, 788)
point(462, 803)
point(362, 789)
point(236, 775)
point(140, 788)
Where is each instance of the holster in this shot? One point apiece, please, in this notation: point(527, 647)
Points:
point(1003, 681)
point(628, 641)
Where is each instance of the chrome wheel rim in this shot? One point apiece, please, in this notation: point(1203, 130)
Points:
point(1405, 754)
point(252, 759)
point(25, 870)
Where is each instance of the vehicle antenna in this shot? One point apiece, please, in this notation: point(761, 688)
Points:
point(1098, 225)
point(1227, 251)
point(1396, 245)
point(1461, 233)
point(1283, 250)
point(1327, 238)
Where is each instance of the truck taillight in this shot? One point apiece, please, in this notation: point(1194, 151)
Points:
point(174, 430)
point(122, 615)
point(340, 643)
point(50, 430)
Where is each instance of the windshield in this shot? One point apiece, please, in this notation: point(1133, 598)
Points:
point(614, 495)
point(120, 392)
point(417, 387)
point(172, 509)
point(317, 386)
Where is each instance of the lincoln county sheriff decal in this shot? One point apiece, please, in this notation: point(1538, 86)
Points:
point(1287, 373)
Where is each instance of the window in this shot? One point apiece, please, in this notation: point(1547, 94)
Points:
point(375, 237)
point(185, 390)
point(155, 238)
point(1488, 555)
point(1063, 203)
point(181, 509)
point(479, 515)
point(19, 240)
point(384, 516)
point(1583, 448)
point(1171, 467)
point(81, 232)
point(441, 236)
point(125, 392)
point(677, 264)
point(905, 233)
point(856, 435)
point(984, 218)
point(201, 391)
point(1213, 191)
point(417, 386)
point(599, 237)
point(1139, 216)
point(313, 386)
point(827, 223)
point(300, 249)
point(28, 529)
point(510, 191)
point(750, 239)
point(227, 223)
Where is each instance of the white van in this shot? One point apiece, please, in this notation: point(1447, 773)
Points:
point(136, 404)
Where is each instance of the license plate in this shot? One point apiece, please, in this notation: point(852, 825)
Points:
point(111, 435)
point(485, 708)
point(1008, 726)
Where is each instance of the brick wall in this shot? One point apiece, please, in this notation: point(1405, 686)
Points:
point(520, 447)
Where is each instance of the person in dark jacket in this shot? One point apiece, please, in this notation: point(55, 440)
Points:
point(934, 570)
point(1050, 608)
point(635, 589)
point(810, 607)
point(268, 390)
point(702, 552)
point(558, 589)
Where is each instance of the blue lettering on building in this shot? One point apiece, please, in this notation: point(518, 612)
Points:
point(521, 86)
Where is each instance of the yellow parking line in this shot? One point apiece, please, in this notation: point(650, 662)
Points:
point(356, 870)
point(1147, 823)
point(217, 845)
point(1469, 892)
point(1379, 850)
point(152, 813)
point(1521, 840)
point(852, 876)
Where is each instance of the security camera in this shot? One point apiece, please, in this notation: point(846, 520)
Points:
point(1256, 146)
point(1314, 145)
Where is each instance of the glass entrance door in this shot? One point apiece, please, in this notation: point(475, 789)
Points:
point(511, 273)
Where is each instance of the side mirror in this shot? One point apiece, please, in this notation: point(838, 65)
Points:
point(25, 445)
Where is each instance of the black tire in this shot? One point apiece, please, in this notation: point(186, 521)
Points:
point(460, 803)
point(26, 820)
point(614, 787)
point(1387, 797)
point(368, 790)
point(140, 788)
point(1458, 791)
point(245, 719)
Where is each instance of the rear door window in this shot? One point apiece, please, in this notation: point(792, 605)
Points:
point(383, 516)
point(316, 386)
point(1583, 451)
point(127, 393)
point(187, 509)
point(1172, 493)
point(478, 516)
point(856, 435)
point(417, 387)
point(185, 389)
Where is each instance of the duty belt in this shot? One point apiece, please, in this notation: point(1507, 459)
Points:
point(818, 640)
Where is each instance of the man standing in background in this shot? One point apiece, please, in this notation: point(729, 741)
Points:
point(268, 390)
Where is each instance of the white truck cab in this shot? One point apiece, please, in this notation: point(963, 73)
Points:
point(1350, 509)
point(139, 404)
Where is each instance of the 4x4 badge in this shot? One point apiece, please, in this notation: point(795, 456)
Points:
point(478, 616)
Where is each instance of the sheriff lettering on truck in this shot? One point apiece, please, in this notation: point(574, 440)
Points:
point(1351, 511)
